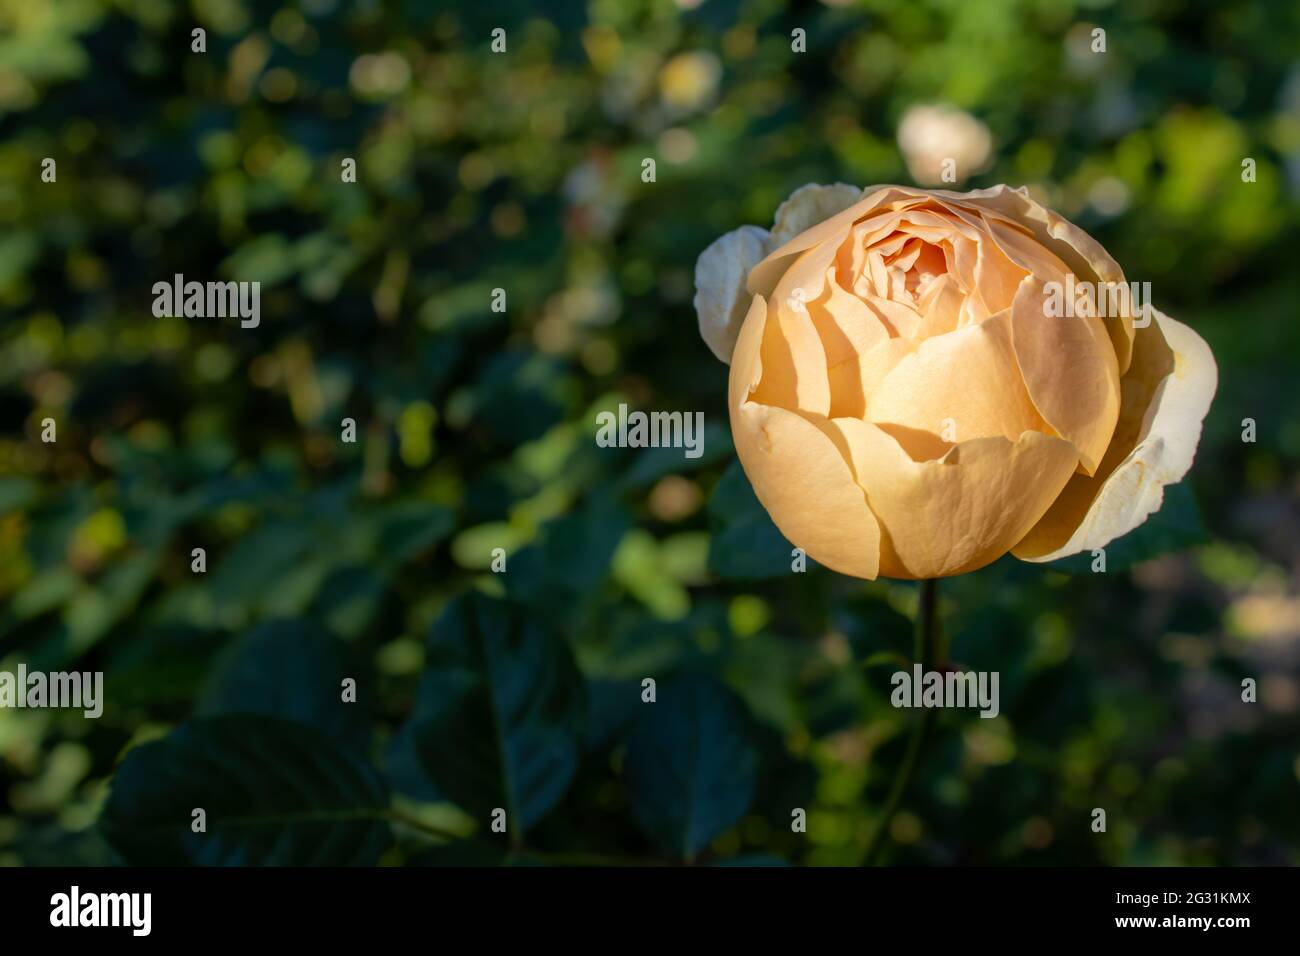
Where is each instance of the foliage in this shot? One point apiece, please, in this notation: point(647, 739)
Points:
point(329, 561)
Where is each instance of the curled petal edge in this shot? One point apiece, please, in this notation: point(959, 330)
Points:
point(721, 299)
point(1166, 397)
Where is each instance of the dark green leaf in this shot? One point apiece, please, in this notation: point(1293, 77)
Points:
point(571, 559)
point(653, 463)
point(276, 793)
point(498, 722)
point(411, 528)
point(16, 493)
point(691, 766)
point(290, 669)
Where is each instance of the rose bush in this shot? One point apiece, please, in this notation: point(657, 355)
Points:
point(905, 405)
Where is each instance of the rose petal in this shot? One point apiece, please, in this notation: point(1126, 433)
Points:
point(940, 305)
point(1165, 397)
point(805, 280)
point(849, 330)
point(1026, 252)
point(847, 326)
point(1083, 254)
point(793, 361)
point(808, 205)
point(797, 473)
point(721, 299)
point(996, 277)
point(854, 381)
point(747, 365)
point(969, 378)
point(956, 513)
point(1068, 365)
point(764, 276)
point(899, 318)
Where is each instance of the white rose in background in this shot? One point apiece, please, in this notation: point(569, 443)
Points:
point(930, 135)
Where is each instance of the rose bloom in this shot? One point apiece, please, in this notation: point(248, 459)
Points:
point(905, 403)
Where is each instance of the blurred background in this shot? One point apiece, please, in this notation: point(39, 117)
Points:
point(329, 561)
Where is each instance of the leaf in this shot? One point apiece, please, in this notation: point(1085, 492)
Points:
point(162, 669)
point(16, 493)
point(745, 544)
point(50, 845)
point(572, 557)
point(257, 564)
point(289, 669)
point(411, 528)
point(518, 397)
point(1176, 526)
point(499, 716)
point(654, 463)
point(612, 705)
point(691, 767)
point(349, 599)
point(276, 793)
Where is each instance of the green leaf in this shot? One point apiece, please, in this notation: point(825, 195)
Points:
point(654, 463)
point(691, 766)
point(572, 557)
point(745, 544)
point(1176, 526)
point(498, 721)
point(16, 493)
point(51, 845)
point(410, 528)
point(349, 600)
point(276, 793)
point(256, 566)
point(290, 669)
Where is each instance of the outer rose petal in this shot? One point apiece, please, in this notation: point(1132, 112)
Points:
point(793, 362)
point(809, 205)
point(957, 513)
point(1069, 367)
point(802, 480)
point(1082, 253)
point(1166, 395)
point(721, 299)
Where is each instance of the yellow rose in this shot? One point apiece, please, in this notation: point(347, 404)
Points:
point(908, 397)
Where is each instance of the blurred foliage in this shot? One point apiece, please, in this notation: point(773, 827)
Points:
point(371, 561)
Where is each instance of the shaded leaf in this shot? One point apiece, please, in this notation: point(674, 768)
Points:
point(498, 721)
point(291, 669)
point(276, 793)
point(745, 543)
point(691, 767)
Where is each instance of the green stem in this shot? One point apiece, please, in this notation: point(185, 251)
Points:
point(928, 650)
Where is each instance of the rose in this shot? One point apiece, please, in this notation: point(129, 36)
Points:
point(907, 403)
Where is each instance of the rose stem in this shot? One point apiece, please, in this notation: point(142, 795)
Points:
point(928, 649)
